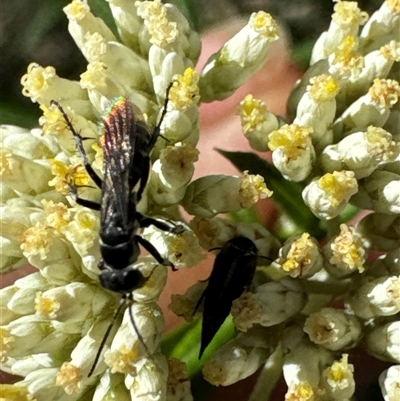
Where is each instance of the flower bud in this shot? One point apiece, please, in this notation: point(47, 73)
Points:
point(389, 383)
point(379, 231)
point(257, 122)
point(379, 192)
point(292, 151)
point(208, 196)
point(239, 358)
point(333, 329)
point(344, 254)
point(300, 256)
point(328, 196)
point(384, 342)
point(271, 304)
point(239, 59)
point(378, 297)
point(361, 152)
point(338, 380)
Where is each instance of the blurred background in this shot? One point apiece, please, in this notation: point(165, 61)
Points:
point(37, 31)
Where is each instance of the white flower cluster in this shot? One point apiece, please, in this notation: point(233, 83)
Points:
point(53, 321)
point(341, 142)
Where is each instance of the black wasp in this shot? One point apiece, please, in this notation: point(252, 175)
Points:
point(232, 273)
point(127, 147)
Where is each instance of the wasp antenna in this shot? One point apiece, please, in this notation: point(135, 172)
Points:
point(140, 337)
point(218, 248)
point(164, 112)
point(266, 257)
point(106, 334)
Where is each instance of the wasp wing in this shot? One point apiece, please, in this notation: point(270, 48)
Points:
point(118, 198)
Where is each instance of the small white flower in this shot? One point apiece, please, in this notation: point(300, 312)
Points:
point(150, 380)
point(241, 57)
point(333, 329)
point(345, 22)
point(382, 24)
point(208, 196)
point(302, 365)
point(299, 257)
point(329, 195)
point(370, 109)
point(380, 192)
point(271, 304)
point(257, 122)
point(344, 253)
point(378, 297)
point(127, 350)
point(338, 380)
point(292, 151)
point(317, 107)
point(389, 382)
point(361, 152)
point(237, 359)
point(384, 342)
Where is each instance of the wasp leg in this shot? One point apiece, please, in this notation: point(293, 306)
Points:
point(83, 202)
point(153, 252)
point(79, 144)
point(146, 221)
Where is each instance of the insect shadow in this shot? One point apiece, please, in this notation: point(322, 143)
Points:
point(232, 273)
point(127, 147)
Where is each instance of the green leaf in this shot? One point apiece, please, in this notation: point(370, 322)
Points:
point(286, 193)
point(184, 343)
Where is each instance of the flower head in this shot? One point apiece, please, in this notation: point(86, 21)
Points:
point(337, 149)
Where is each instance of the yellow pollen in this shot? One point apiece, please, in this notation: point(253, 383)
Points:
point(76, 10)
point(293, 139)
point(348, 14)
point(36, 241)
point(299, 255)
point(66, 175)
point(70, 378)
point(253, 113)
point(340, 371)
point(52, 120)
point(348, 250)
point(301, 391)
point(6, 161)
point(46, 306)
point(323, 88)
point(264, 24)
point(95, 46)
point(58, 215)
point(37, 80)
point(154, 13)
point(380, 144)
point(123, 360)
point(338, 185)
point(385, 92)
point(95, 76)
point(393, 5)
point(252, 189)
point(391, 51)
point(185, 91)
point(6, 340)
